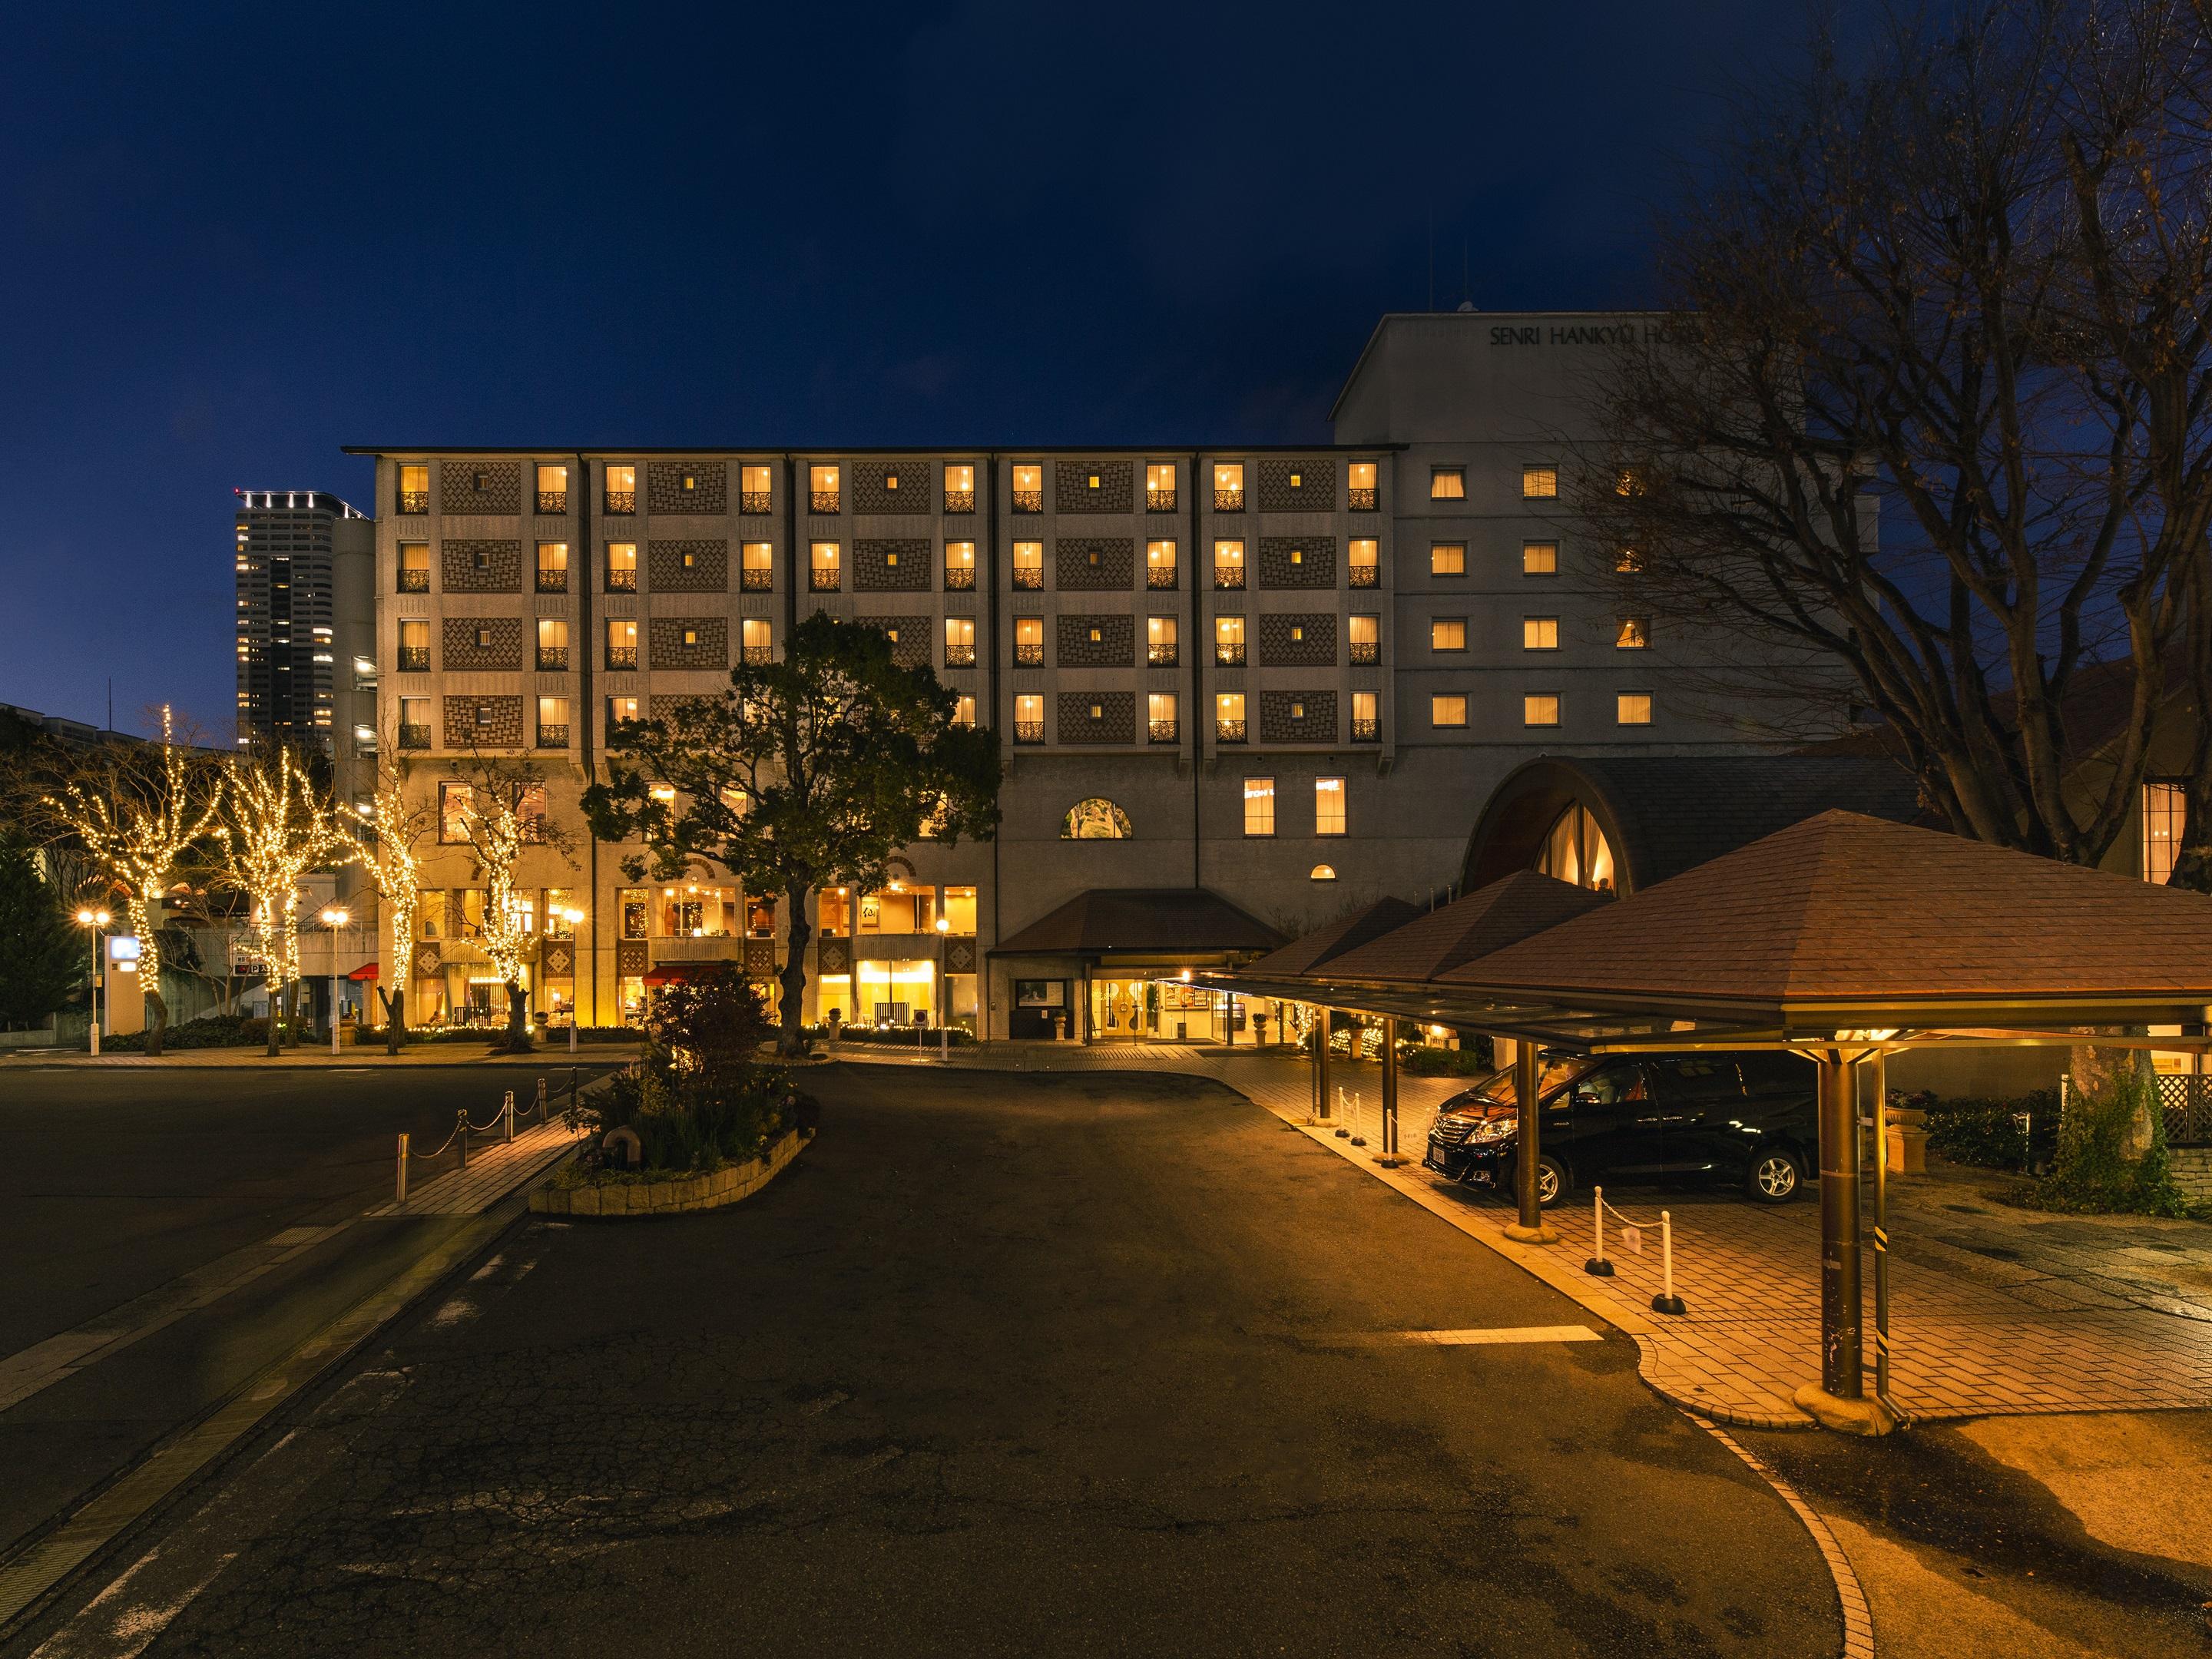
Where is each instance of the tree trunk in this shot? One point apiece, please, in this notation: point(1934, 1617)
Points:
point(157, 1020)
point(2098, 1074)
point(791, 1041)
point(395, 1019)
point(518, 1020)
point(276, 1014)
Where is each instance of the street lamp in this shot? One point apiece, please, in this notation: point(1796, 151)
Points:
point(334, 919)
point(572, 916)
point(94, 920)
point(943, 995)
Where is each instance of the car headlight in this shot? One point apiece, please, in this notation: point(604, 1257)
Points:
point(1494, 1128)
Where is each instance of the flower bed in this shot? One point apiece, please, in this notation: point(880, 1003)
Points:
point(575, 1191)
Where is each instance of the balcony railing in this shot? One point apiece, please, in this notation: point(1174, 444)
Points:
point(959, 501)
point(621, 501)
point(414, 659)
point(1162, 731)
point(824, 581)
point(1366, 575)
point(1029, 500)
point(1366, 731)
point(755, 501)
point(1228, 656)
point(1028, 731)
point(1159, 501)
point(1229, 575)
point(552, 500)
point(757, 579)
point(553, 659)
point(1161, 653)
point(414, 737)
point(1160, 578)
point(1029, 656)
point(1365, 653)
point(552, 581)
point(959, 578)
point(1229, 731)
point(959, 656)
point(552, 737)
point(414, 582)
point(1228, 500)
point(1030, 576)
point(622, 582)
point(621, 656)
point(1363, 500)
point(414, 501)
point(758, 654)
point(822, 501)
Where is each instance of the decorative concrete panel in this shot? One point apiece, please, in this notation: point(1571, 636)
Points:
point(1294, 486)
point(687, 487)
point(689, 643)
point(663, 705)
point(1298, 639)
point(1097, 642)
point(1074, 491)
point(1113, 721)
point(477, 722)
point(1098, 563)
point(959, 956)
point(909, 637)
point(467, 486)
point(1297, 716)
point(697, 566)
point(833, 956)
point(632, 956)
point(481, 642)
point(480, 566)
point(874, 490)
point(893, 565)
point(1298, 561)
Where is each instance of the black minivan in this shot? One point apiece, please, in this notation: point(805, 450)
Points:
point(1743, 1119)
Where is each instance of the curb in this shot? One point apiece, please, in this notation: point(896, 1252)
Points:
point(682, 1195)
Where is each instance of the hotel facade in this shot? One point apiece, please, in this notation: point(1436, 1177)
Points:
point(1239, 690)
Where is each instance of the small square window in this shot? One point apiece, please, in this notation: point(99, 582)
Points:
point(690, 636)
point(891, 481)
point(1298, 555)
point(483, 714)
point(1297, 709)
point(1094, 557)
point(1446, 483)
point(1448, 711)
point(1635, 634)
point(1093, 482)
point(691, 560)
point(1540, 558)
point(482, 482)
point(1539, 483)
point(1098, 711)
point(891, 634)
point(1632, 708)
point(1297, 631)
point(690, 481)
point(482, 559)
point(891, 558)
point(484, 637)
point(1097, 636)
point(1297, 481)
point(1540, 709)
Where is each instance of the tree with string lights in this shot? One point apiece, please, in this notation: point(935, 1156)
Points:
point(498, 810)
point(395, 865)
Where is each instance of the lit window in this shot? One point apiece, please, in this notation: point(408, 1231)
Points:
point(1029, 631)
point(1160, 558)
point(1365, 705)
point(1160, 710)
point(1363, 474)
point(754, 488)
point(552, 481)
point(1229, 712)
point(1446, 483)
point(1447, 710)
point(1448, 559)
point(414, 489)
point(1322, 872)
point(1328, 806)
point(821, 482)
point(1627, 561)
point(823, 559)
point(1028, 564)
point(2165, 810)
point(621, 564)
point(1634, 635)
point(1029, 718)
point(1540, 633)
point(1540, 709)
point(959, 641)
point(758, 637)
point(621, 708)
point(1366, 637)
point(1539, 483)
point(1228, 484)
point(1629, 708)
point(1365, 560)
point(1090, 482)
point(484, 637)
point(891, 481)
point(553, 712)
point(1028, 480)
point(1540, 558)
point(959, 480)
point(1229, 560)
point(1447, 633)
point(1259, 807)
point(1095, 819)
point(1298, 632)
point(961, 556)
point(690, 636)
point(1160, 631)
point(756, 559)
point(963, 711)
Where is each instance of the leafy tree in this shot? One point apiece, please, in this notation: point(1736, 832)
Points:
point(806, 773)
point(43, 957)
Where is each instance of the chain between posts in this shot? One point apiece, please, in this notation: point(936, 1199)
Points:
point(503, 1119)
point(1665, 1301)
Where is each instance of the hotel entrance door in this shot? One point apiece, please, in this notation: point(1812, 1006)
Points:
point(1123, 1007)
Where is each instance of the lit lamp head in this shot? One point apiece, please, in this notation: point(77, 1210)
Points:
point(334, 917)
point(944, 925)
point(572, 916)
point(92, 918)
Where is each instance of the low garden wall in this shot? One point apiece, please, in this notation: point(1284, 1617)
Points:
point(612, 1194)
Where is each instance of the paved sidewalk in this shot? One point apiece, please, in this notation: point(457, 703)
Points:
point(1995, 1310)
point(422, 1054)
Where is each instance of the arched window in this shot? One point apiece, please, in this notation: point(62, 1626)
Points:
point(1322, 872)
point(1096, 819)
point(1575, 849)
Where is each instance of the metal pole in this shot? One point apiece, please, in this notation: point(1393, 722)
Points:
point(507, 1115)
point(1390, 1091)
point(402, 1179)
point(95, 993)
point(1878, 1064)
point(1841, 1359)
point(1530, 1229)
point(1321, 1058)
point(462, 1134)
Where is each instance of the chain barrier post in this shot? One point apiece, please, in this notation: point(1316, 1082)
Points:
point(400, 1198)
point(572, 1034)
point(461, 1132)
point(542, 1107)
point(506, 1116)
point(1667, 1301)
point(1597, 1264)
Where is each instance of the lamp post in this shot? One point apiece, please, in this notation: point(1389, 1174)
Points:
point(943, 995)
point(334, 918)
point(94, 920)
point(572, 916)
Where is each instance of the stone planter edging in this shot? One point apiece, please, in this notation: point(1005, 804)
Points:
point(679, 1195)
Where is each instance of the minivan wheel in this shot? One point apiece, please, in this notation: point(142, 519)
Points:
point(1775, 1178)
point(1551, 1181)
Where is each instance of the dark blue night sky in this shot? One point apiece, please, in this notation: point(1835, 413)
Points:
point(238, 237)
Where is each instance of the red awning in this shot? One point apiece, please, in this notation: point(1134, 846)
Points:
point(674, 973)
point(366, 970)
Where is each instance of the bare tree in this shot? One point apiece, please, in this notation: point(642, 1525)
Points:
point(395, 865)
point(1928, 425)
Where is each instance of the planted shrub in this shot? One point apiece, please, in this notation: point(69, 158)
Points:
point(2096, 1169)
point(1986, 1132)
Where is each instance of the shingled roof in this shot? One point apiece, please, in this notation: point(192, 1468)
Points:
point(1308, 952)
point(1188, 920)
point(1488, 920)
point(1845, 915)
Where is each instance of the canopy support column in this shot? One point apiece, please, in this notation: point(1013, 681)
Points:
point(1530, 1229)
point(1839, 1400)
point(1390, 1158)
point(1324, 1104)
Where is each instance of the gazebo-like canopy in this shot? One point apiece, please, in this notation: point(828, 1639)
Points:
point(1842, 938)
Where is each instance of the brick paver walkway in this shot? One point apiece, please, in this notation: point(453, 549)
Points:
point(1993, 1309)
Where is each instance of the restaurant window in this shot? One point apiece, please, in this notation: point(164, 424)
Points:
point(834, 912)
point(1259, 807)
point(1540, 633)
point(693, 911)
point(1540, 709)
point(1446, 483)
point(959, 911)
point(1632, 708)
point(1634, 635)
point(1328, 806)
point(760, 918)
point(1447, 633)
point(455, 800)
point(2164, 812)
point(1448, 559)
point(1540, 558)
point(1447, 710)
point(634, 908)
point(900, 908)
point(1095, 819)
point(430, 915)
point(1539, 483)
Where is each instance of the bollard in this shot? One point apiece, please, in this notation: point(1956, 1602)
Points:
point(400, 1199)
point(1667, 1301)
point(506, 1116)
point(541, 1108)
point(461, 1134)
point(1343, 1113)
point(1359, 1117)
point(1597, 1264)
point(571, 1037)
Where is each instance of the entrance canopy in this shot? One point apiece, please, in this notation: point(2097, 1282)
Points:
point(1153, 921)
